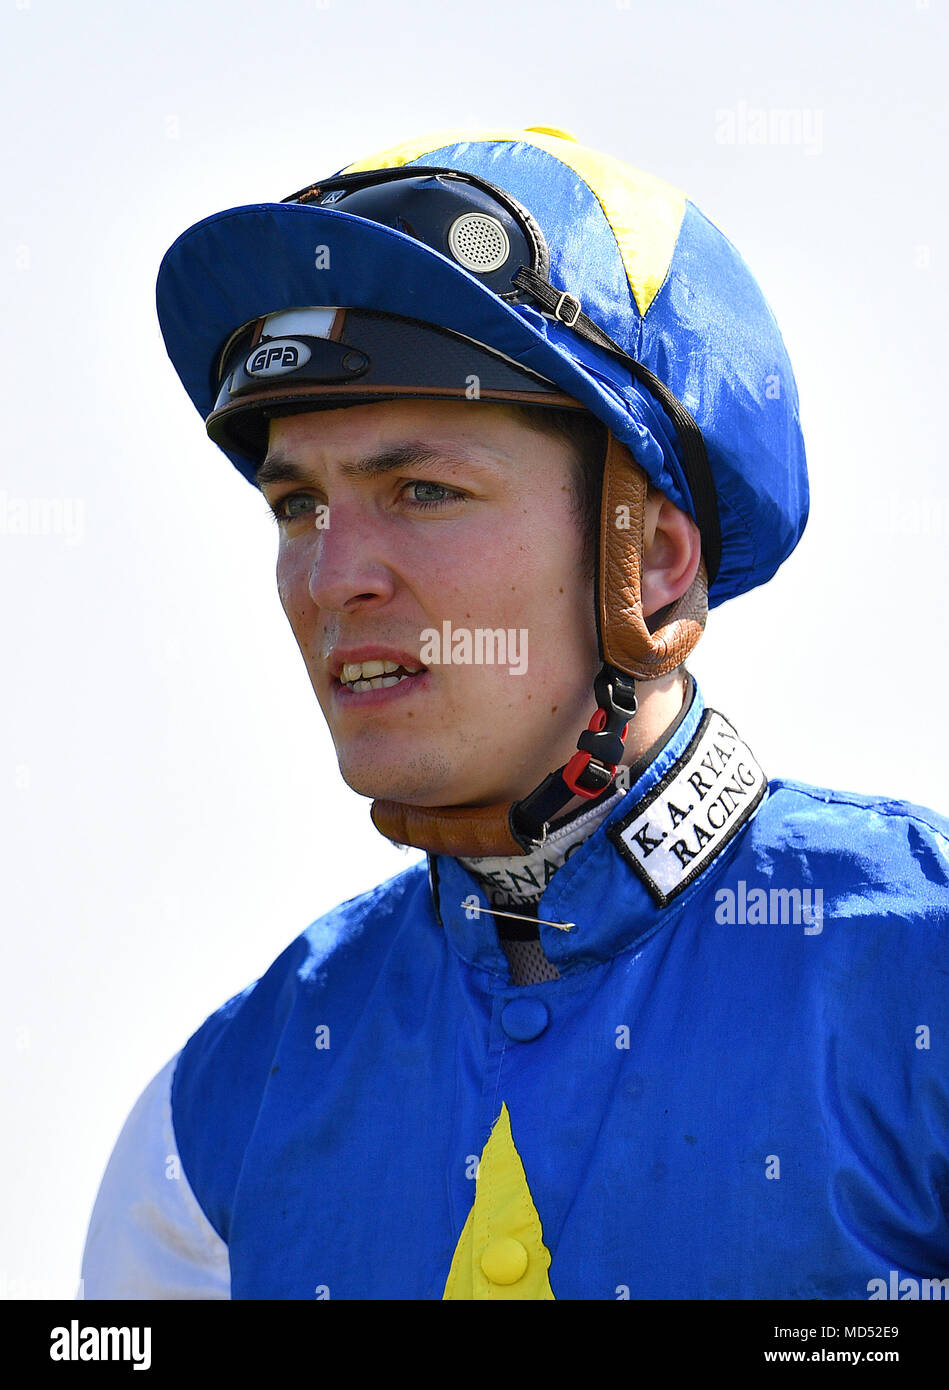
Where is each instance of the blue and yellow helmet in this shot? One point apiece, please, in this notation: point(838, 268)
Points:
point(542, 269)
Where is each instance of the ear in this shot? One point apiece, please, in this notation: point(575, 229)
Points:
point(672, 549)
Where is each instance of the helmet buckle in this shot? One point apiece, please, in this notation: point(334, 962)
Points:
point(575, 304)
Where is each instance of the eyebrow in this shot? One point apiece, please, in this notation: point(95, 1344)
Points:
point(277, 468)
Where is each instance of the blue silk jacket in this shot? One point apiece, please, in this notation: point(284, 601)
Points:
point(737, 1088)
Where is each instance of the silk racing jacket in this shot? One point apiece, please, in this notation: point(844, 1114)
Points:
point(737, 1088)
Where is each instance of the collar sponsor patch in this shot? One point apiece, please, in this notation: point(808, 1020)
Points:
point(686, 821)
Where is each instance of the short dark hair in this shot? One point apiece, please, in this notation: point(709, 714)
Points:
point(587, 435)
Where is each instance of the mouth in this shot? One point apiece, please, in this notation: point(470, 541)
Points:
point(371, 678)
point(376, 675)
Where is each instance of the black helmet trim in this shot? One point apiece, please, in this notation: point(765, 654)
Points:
point(317, 357)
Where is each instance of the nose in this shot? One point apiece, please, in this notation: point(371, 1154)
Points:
point(347, 561)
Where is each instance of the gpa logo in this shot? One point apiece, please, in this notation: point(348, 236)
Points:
point(277, 356)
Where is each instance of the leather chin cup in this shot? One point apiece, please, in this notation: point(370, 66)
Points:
point(626, 642)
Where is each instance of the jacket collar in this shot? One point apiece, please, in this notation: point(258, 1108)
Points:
point(615, 890)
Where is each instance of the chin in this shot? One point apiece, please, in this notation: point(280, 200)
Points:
point(395, 782)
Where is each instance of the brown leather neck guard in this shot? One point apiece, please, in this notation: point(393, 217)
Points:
point(626, 642)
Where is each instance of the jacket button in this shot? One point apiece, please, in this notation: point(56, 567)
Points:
point(504, 1261)
point(525, 1019)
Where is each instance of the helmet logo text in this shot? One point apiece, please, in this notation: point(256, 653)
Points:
point(276, 357)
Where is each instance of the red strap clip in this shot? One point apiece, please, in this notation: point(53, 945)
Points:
point(578, 764)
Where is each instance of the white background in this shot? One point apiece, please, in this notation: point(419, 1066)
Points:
point(172, 814)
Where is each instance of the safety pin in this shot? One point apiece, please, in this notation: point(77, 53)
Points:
point(496, 912)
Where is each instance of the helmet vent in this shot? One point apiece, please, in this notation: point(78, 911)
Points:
point(479, 243)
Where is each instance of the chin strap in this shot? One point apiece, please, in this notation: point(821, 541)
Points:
point(630, 650)
point(591, 769)
point(516, 828)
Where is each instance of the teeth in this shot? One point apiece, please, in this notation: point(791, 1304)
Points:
point(360, 673)
point(377, 683)
point(362, 670)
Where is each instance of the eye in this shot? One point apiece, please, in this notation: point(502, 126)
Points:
point(448, 494)
point(292, 506)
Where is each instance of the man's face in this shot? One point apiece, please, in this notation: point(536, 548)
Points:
point(398, 518)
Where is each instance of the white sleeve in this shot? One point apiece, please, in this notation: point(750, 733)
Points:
point(148, 1237)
